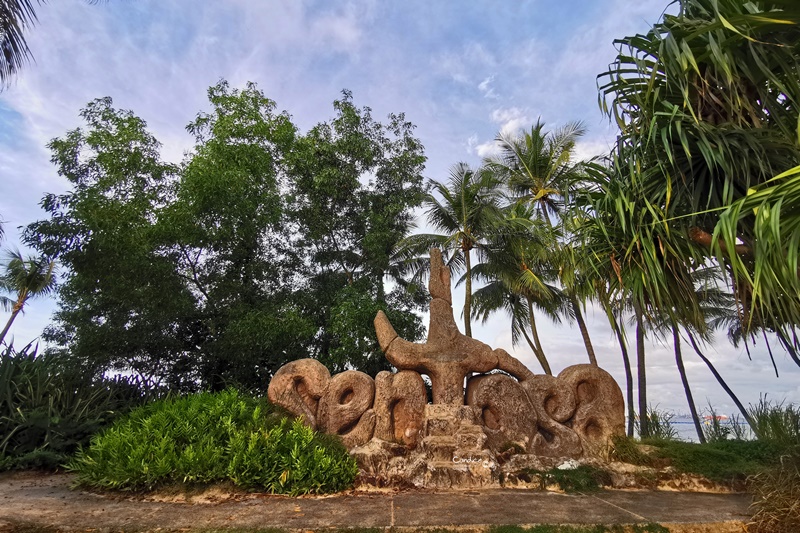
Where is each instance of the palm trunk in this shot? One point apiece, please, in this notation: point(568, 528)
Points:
point(14, 313)
point(381, 293)
point(576, 308)
point(644, 425)
point(676, 338)
point(468, 295)
point(626, 360)
point(720, 380)
point(537, 349)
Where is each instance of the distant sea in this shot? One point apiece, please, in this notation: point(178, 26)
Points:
point(685, 427)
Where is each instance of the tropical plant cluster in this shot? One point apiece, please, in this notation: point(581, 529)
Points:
point(213, 437)
point(687, 227)
point(48, 410)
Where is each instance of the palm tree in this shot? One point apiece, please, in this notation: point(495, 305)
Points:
point(631, 255)
point(538, 169)
point(519, 278)
point(25, 279)
point(467, 214)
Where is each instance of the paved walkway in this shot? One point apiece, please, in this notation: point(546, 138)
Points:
point(47, 500)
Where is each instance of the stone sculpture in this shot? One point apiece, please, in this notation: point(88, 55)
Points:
point(509, 416)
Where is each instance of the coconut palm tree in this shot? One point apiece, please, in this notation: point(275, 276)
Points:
point(24, 279)
point(470, 210)
point(539, 170)
point(518, 278)
point(538, 166)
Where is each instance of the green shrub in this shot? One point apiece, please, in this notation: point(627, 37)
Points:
point(48, 408)
point(776, 497)
point(584, 478)
point(626, 450)
point(776, 423)
point(208, 437)
point(660, 424)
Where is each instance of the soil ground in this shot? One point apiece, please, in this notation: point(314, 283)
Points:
point(30, 501)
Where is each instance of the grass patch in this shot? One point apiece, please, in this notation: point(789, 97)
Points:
point(208, 438)
point(635, 528)
point(776, 423)
point(723, 461)
point(626, 450)
point(584, 478)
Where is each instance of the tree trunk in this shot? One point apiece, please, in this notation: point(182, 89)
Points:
point(676, 338)
point(381, 292)
point(537, 349)
point(576, 308)
point(626, 360)
point(14, 313)
point(644, 425)
point(720, 380)
point(467, 295)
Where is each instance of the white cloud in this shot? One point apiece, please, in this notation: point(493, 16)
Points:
point(485, 87)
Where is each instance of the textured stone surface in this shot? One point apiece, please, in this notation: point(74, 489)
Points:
point(448, 355)
point(554, 402)
point(506, 412)
point(400, 401)
point(511, 423)
point(298, 386)
point(600, 411)
point(345, 408)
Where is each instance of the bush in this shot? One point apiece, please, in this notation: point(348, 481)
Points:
point(625, 449)
point(48, 408)
point(207, 438)
point(776, 497)
point(660, 424)
point(775, 423)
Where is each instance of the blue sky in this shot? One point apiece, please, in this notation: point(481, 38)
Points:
point(461, 71)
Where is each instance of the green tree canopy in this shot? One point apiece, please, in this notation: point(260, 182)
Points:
point(263, 246)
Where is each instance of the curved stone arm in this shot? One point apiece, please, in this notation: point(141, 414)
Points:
point(507, 363)
point(400, 352)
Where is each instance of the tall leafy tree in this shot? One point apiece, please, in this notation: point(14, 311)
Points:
point(121, 303)
point(24, 278)
point(224, 232)
point(353, 185)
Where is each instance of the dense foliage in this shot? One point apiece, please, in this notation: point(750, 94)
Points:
point(263, 246)
point(48, 408)
point(209, 437)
